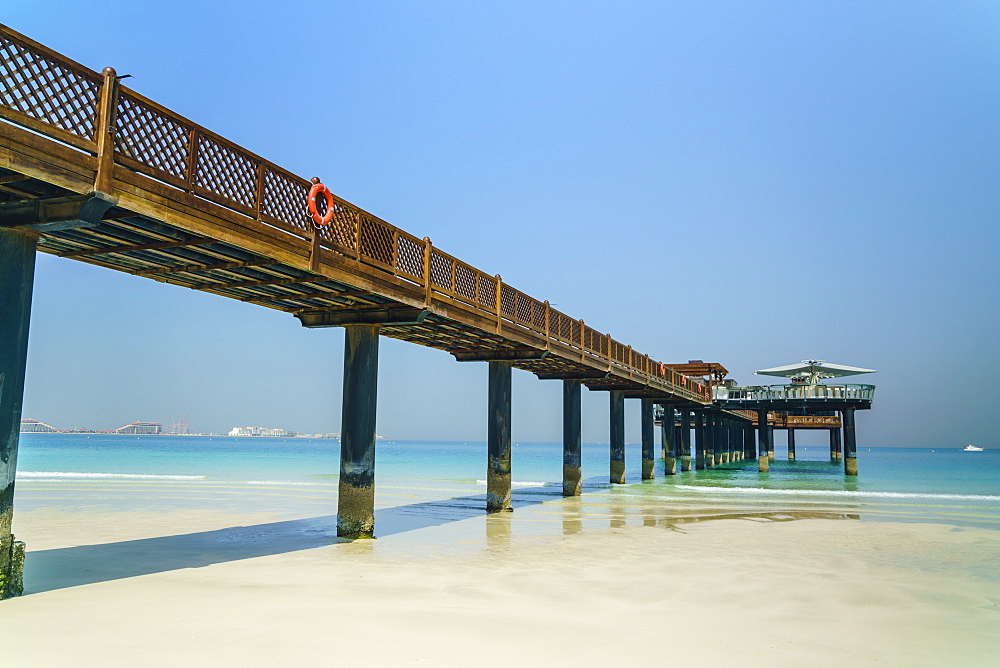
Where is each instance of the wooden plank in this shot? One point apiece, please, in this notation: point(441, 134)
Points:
point(300, 296)
point(203, 267)
point(45, 160)
point(137, 247)
point(257, 284)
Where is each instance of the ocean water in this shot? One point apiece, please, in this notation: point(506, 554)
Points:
point(440, 482)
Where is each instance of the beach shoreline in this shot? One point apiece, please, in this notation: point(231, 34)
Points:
point(551, 582)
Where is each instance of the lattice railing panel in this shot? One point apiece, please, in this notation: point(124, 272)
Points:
point(564, 328)
point(441, 270)
point(343, 229)
point(522, 307)
point(285, 199)
point(410, 256)
point(48, 91)
point(465, 281)
point(538, 314)
point(376, 240)
point(146, 135)
point(223, 170)
point(508, 301)
point(487, 291)
point(574, 333)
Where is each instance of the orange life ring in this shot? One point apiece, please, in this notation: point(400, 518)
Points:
point(320, 189)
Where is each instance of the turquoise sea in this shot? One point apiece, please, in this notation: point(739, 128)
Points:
point(440, 482)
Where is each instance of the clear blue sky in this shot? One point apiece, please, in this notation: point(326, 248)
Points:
point(749, 183)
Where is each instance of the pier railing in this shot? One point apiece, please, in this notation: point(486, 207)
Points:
point(55, 97)
point(786, 392)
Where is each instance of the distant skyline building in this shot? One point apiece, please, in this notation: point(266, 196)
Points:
point(140, 428)
point(29, 426)
point(178, 426)
point(261, 431)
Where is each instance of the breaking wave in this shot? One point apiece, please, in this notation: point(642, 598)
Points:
point(838, 492)
point(116, 476)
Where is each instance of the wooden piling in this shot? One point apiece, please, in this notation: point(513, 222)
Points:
point(356, 498)
point(668, 434)
point(722, 439)
point(727, 448)
point(617, 399)
point(700, 442)
point(572, 471)
point(710, 454)
point(685, 439)
point(791, 444)
point(763, 446)
point(17, 271)
point(648, 451)
point(727, 425)
point(498, 439)
point(850, 443)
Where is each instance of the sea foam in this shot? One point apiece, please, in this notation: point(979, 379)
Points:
point(837, 492)
point(515, 483)
point(116, 476)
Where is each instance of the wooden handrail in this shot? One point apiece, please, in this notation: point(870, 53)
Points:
point(147, 138)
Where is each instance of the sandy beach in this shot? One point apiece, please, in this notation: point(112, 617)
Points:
point(541, 586)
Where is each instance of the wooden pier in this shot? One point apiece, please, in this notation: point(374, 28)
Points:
point(93, 171)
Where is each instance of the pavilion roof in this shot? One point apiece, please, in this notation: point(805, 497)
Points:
point(816, 368)
point(698, 368)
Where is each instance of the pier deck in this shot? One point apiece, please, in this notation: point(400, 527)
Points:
point(111, 178)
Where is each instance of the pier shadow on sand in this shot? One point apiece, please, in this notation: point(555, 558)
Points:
point(61, 568)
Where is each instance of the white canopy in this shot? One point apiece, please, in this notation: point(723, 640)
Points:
point(813, 370)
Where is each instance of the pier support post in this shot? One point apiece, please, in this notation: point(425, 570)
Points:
point(735, 440)
point(791, 444)
point(648, 449)
point(685, 439)
point(617, 436)
point(727, 450)
point(748, 449)
point(700, 442)
point(770, 441)
point(669, 440)
point(836, 451)
point(572, 472)
point(710, 456)
point(498, 439)
point(356, 498)
point(763, 447)
point(17, 272)
point(850, 443)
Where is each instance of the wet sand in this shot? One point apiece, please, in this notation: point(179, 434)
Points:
point(551, 583)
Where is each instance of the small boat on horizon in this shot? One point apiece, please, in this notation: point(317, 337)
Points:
point(972, 448)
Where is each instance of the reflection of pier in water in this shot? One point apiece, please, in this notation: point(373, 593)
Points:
point(93, 171)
